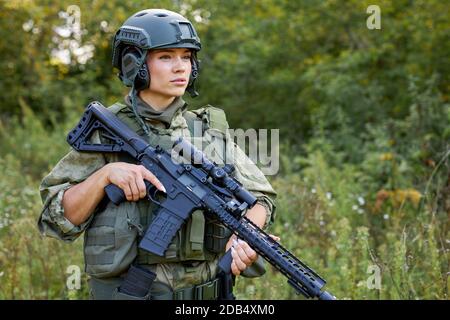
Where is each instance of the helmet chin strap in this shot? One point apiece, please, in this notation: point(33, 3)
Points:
point(144, 126)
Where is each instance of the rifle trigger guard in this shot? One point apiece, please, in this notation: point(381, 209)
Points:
point(151, 193)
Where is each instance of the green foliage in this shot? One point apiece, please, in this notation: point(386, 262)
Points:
point(332, 223)
point(35, 147)
point(31, 267)
point(363, 116)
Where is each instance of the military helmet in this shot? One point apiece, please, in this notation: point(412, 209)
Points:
point(151, 29)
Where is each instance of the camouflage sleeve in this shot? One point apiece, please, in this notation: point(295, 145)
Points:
point(254, 180)
point(73, 168)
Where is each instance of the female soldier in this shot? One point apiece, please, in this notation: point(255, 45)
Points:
point(156, 53)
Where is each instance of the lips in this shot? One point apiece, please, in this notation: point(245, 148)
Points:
point(179, 81)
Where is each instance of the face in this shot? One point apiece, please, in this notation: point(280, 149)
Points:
point(169, 72)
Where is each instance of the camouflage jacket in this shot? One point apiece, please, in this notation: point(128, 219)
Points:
point(75, 167)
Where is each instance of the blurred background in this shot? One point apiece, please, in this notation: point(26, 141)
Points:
point(363, 114)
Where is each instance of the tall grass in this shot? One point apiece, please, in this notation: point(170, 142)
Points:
point(331, 217)
point(329, 221)
point(31, 267)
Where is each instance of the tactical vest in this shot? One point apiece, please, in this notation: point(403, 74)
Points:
point(111, 241)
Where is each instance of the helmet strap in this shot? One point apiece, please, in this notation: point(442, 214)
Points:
point(141, 121)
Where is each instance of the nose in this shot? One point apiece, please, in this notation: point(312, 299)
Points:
point(179, 65)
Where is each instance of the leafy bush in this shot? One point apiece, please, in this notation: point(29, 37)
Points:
point(364, 183)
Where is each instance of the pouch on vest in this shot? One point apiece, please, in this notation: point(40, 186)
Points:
point(216, 235)
point(213, 125)
point(193, 236)
point(111, 240)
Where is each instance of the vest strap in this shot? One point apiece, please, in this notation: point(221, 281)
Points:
point(100, 240)
point(105, 258)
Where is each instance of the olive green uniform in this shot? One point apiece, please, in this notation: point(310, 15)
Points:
point(113, 232)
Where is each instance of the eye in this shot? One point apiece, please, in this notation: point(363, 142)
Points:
point(164, 57)
point(187, 57)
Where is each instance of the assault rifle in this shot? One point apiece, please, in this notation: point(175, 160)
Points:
point(198, 184)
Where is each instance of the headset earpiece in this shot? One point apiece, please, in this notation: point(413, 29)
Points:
point(134, 71)
point(193, 76)
point(142, 80)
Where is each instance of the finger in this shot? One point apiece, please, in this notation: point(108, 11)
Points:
point(238, 260)
point(249, 253)
point(276, 238)
point(141, 186)
point(234, 267)
point(127, 191)
point(243, 257)
point(152, 179)
point(134, 190)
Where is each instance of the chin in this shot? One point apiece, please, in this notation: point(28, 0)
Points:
point(178, 93)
